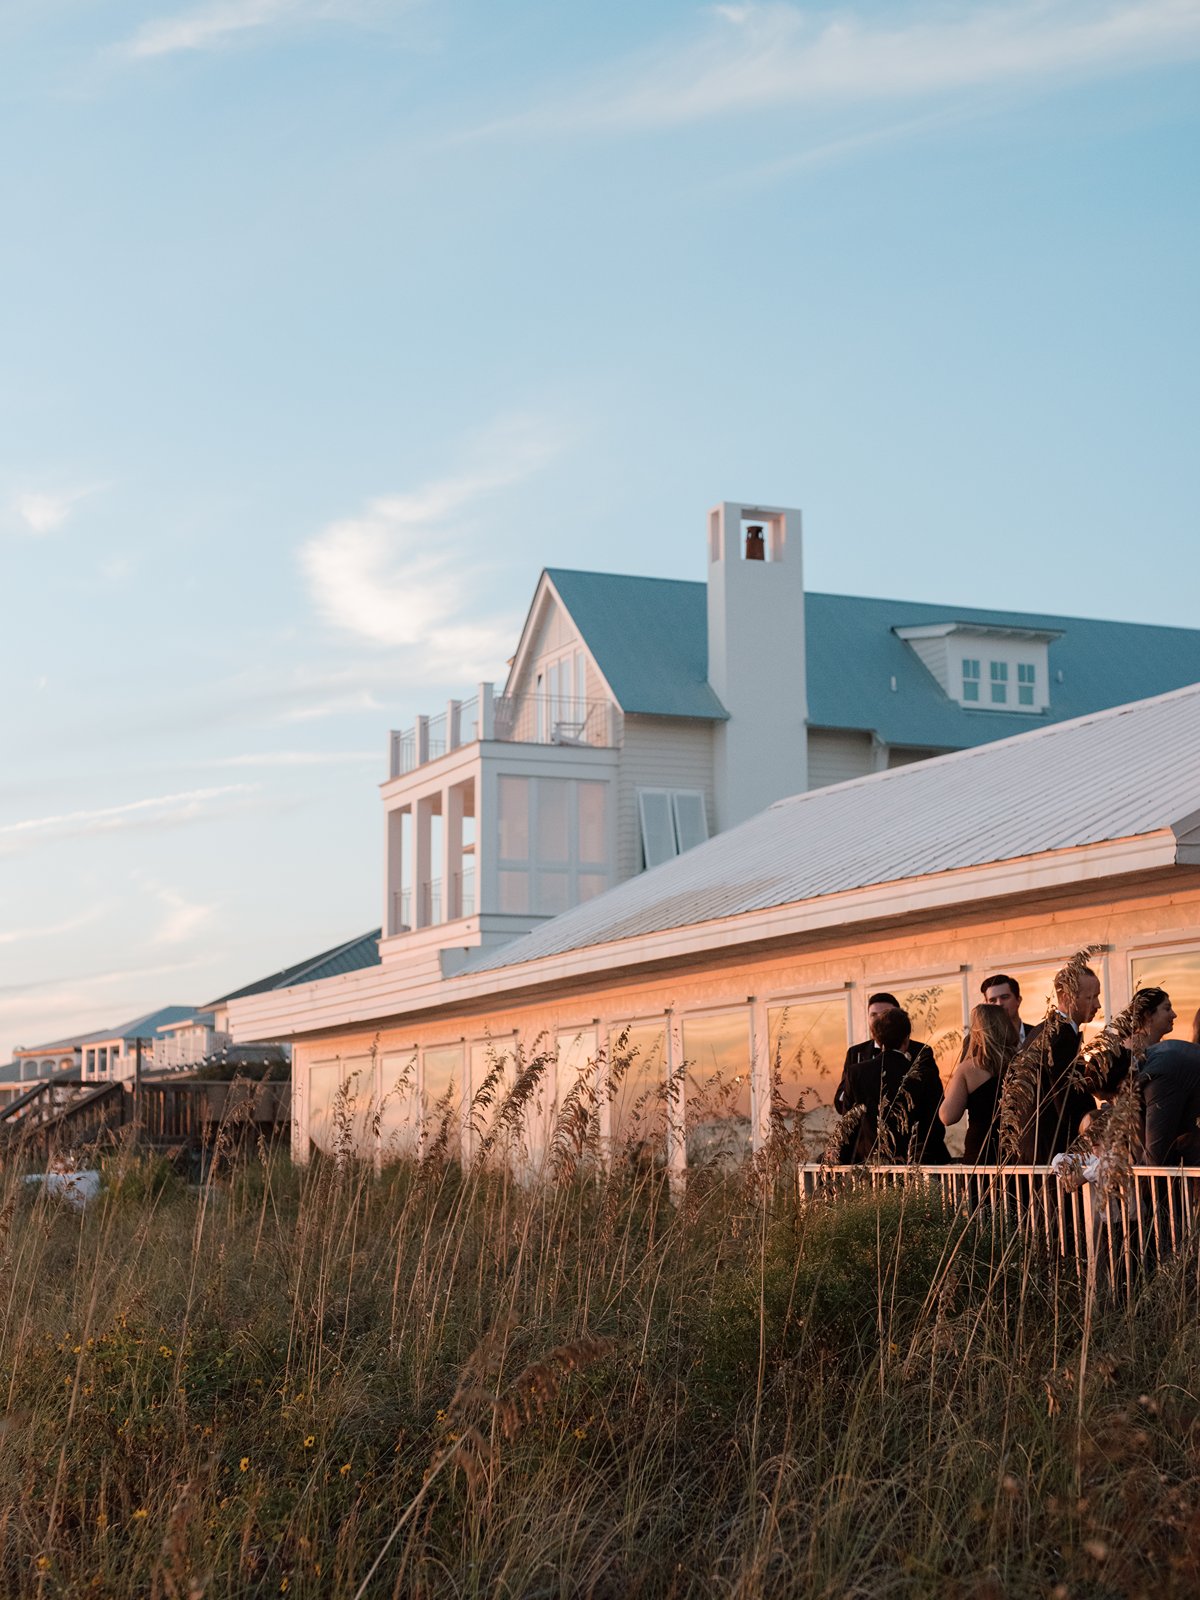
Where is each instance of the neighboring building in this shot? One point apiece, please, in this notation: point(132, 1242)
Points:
point(761, 945)
point(105, 1054)
point(643, 715)
point(20, 1075)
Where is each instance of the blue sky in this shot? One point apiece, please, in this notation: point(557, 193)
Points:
point(328, 323)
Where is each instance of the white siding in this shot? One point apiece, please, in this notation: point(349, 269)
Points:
point(834, 756)
point(659, 753)
point(903, 755)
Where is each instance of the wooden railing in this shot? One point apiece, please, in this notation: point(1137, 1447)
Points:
point(186, 1114)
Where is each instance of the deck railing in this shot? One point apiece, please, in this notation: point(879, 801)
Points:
point(1107, 1233)
point(525, 719)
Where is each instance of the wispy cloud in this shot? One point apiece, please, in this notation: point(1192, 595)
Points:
point(50, 930)
point(400, 572)
point(755, 57)
point(41, 511)
point(181, 917)
point(297, 758)
point(190, 805)
point(215, 27)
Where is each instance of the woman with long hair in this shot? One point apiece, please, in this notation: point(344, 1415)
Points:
point(974, 1090)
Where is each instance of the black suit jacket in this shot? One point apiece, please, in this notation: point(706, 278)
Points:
point(897, 1099)
point(1058, 1107)
point(856, 1056)
point(1170, 1082)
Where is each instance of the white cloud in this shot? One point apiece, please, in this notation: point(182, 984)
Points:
point(299, 758)
point(189, 806)
point(182, 917)
point(755, 57)
point(213, 27)
point(50, 930)
point(400, 573)
point(42, 512)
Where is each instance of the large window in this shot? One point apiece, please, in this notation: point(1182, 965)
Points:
point(637, 1087)
point(1026, 682)
point(572, 1069)
point(970, 680)
point(673, 820)
point(717, 1100)
point(807, 1041)
point(399, 1105)
point(999, 675)
point(1178, 972)
point(552, 843)
point(441, 1096)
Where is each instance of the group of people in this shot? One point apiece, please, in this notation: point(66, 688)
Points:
point(892, 1106)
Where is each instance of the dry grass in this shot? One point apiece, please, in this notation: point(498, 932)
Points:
point(327, 1383)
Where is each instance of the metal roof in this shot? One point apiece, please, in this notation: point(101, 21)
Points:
point(1112, 775)
point(140, 1028)
point(649, 637)
point(350, 956)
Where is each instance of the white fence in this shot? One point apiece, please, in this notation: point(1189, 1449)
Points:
point(1153, 1213)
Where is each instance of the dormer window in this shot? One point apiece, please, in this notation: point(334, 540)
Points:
point(1016, 658)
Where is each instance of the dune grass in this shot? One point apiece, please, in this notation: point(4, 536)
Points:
point(327, 1382)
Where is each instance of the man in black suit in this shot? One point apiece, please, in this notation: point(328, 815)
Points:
point(1057, 1105)
point(1005, 992)
point(878, 1005)
point(895, 1091)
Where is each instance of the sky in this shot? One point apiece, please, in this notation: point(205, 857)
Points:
point(326, 324)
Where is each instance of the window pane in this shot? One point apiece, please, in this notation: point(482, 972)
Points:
point(514, 892)
point(591, 883)
point(1178, 972)
point(575, 1054)
point(808, 1042)
point(637, 1082)
point(552, 892)
point(999, 671)
point(356, 1112)
point(937, 1017)
point(717, 1086)
point(691, 820)
point(970, 690)
point(442, 1086)
point(593, 844)
point(491, 1061)
point(399, 1106)
point(514, 819)
point(1025, 695)
point(658, 826)
point(999, 694)
point(323, 1082)
point(553, 839)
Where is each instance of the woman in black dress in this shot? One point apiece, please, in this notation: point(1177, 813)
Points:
point(975, 1087)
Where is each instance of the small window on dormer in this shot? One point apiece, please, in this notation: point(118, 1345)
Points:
point(999, 671)
point(1026, 679)
point(970, 680)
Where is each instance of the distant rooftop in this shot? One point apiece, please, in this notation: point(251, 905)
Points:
point(350, 956)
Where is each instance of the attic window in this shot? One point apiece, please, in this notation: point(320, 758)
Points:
point(970, 680)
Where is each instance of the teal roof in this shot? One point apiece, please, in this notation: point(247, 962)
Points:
point(853, 654)
point(350, 956)
point(649, 637)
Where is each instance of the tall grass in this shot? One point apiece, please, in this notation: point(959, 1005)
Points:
point(438, 1381)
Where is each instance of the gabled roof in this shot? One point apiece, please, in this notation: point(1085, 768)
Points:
point(349, 956)
point(649, 637)
point(1116, 774)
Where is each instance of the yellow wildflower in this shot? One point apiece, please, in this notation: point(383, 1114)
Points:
point(140, 1514)
point(343, 1469)
point(245, 1464)
point(310, 1441)
point(165, 1350)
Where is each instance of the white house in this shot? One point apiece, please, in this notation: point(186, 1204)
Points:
point(762, 944)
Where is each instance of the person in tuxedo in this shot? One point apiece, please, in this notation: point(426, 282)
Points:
point(1005, 992)
point(891, 1098)
point(1170, 1085)
point(878, 1005)
point(1056, 1105)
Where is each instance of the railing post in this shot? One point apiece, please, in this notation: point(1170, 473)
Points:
point(453, 724)
point(487, 712)
point(422, 734)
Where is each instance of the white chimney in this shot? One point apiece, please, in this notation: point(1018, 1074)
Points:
point(756, 662)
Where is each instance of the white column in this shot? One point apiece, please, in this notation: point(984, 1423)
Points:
point(452, 856)
point(423, 813)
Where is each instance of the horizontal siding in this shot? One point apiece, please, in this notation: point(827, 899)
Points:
point(659, 753)
point(905, 755)
point(833, 757)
